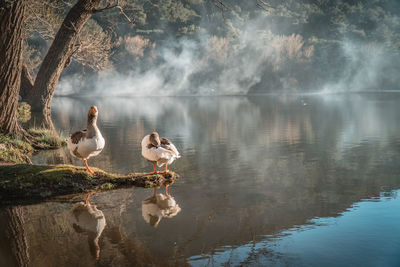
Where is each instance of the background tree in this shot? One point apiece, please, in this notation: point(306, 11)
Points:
point(12, 15)
point(59, 56)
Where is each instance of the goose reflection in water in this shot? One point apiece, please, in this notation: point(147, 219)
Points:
point(87, 219)
point(159, 206)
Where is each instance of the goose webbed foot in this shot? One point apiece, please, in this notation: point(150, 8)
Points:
point(154, 170)
point(166, 169)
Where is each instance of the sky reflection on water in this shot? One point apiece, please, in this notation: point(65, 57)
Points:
point(364, 235)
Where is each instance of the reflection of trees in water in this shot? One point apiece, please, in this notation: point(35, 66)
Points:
point(241, 124)
point(14, 237)
point(276, 143)
point(75, 234)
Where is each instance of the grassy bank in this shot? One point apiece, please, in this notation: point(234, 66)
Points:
point(47, 138)
point(24, 182)
point(16, 150)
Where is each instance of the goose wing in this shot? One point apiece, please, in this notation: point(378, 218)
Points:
point(167, 144)
point(78, 136)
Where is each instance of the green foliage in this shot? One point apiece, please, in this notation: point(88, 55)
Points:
point(189, 30)
point(174, 11)
point(369, 20)
point(107, 186)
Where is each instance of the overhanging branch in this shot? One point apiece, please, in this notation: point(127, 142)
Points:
point(116, 5)
point(121, 10)
point(107, 7)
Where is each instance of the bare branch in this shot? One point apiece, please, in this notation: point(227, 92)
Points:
point(107, 7)
point(116, 5)
point(121, 10)
point(72, 27)
point(220, 5)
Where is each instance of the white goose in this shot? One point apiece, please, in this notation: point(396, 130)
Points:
point(88, 142)
point(159, 151)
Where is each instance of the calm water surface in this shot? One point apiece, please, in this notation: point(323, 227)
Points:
point(266, 180)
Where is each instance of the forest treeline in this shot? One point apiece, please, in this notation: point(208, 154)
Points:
point(306, 43)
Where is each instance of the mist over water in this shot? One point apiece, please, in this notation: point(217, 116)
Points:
point(369, 67)
point(255, 55)
point(185, 67)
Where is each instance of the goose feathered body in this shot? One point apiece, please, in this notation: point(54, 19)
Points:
point(82, 146)
point(89, 142)
point(159, 150)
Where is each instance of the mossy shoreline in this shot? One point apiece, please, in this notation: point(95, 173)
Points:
point(14, 149)
point(25, 182)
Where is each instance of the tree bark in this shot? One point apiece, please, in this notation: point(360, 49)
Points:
point(57, 57)
point(12, 18)
point(26, 82)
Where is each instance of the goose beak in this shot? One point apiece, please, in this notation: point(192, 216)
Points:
point(93, 109)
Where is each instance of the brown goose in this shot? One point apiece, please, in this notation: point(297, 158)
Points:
point(88, 142)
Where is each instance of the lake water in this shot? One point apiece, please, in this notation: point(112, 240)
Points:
point(305, 180)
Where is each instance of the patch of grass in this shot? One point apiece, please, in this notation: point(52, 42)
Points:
point(14, 150)
point(43, 136)
point(10, 154)
point(16, 142)
point(47, 137)
point(30, 182)
point(24, 112)
point(107, 186)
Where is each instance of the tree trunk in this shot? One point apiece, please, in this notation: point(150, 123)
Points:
point(58, 56)
point(12, 18)
point(26, 82)
point(37, 118)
